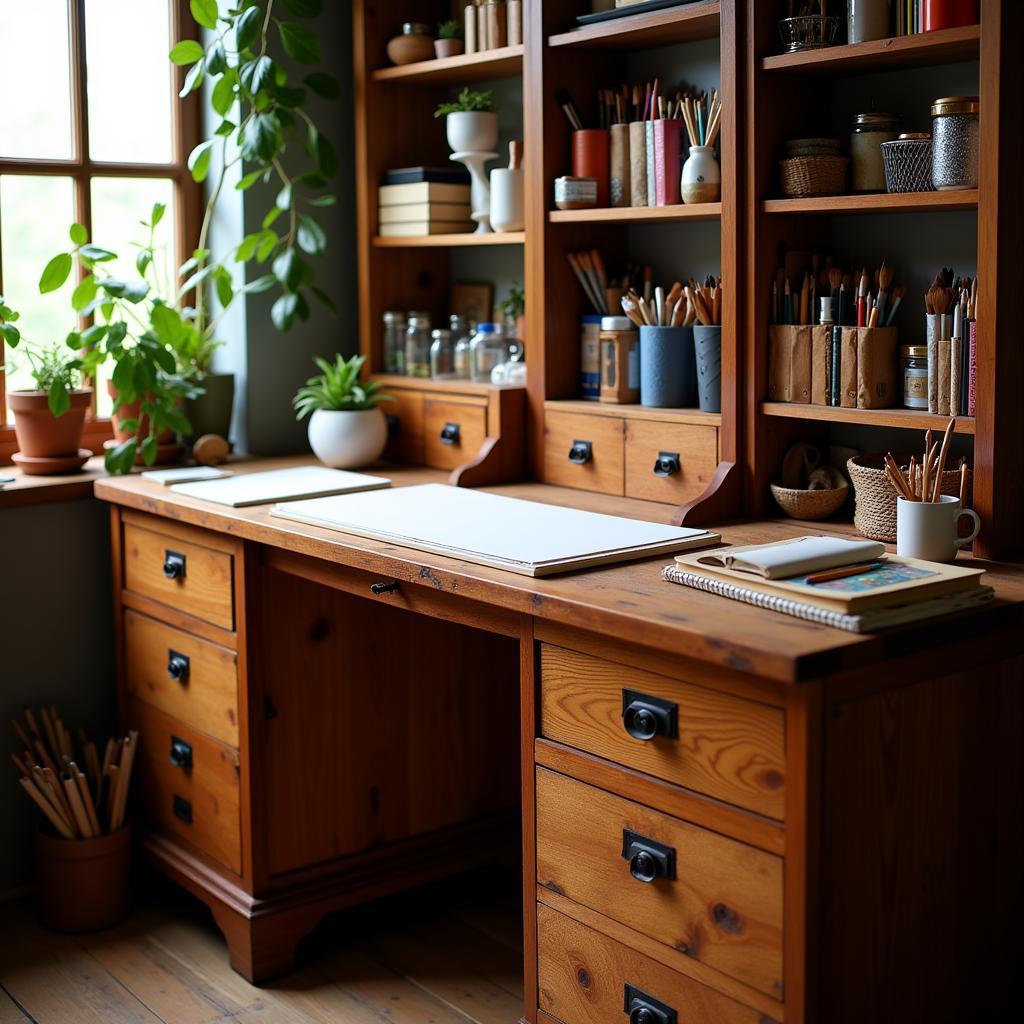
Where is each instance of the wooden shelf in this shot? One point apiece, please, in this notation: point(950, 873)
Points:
point(906, 202)
point(451, 387)
point(505, 62)
point(658, 28)
point(444, 241)
point(637, 214)
point(634, 412)
point(909, 419)
point(927, 48)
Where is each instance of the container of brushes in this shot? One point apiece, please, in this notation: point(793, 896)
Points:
point(701, 180)
point(668, 368)
point(591, 159)
point(707, 344)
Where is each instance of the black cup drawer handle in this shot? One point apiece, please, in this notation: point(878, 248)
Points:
point(182, 809)
point(648, 859)
point(181, 753)
point(668, 464)
point(645, 1009)
point(178, 666)
point(581, 452)
point(384, 588)
point(645, 717)
point(450, 433)
point(174, 565)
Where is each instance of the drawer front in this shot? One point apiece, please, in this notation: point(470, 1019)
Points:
point(190, 679)
point(598, 467)
point(189, 577)
point(715, 899)
point(671, 462)
point(453, 431)
point(198, 803)
point(727, 747)
point(405, 426)
point(585, 976)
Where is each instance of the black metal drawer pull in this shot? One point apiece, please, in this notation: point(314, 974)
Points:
point(182, 809)
point(178, 666)
point(450, 433)
point(581, 452)
point(645, 717)
point(394, 425)
point(384, 588)
point(648, 859)
point(667, 464)
point(645, 1009)
point(174, 565)
point(181, 753)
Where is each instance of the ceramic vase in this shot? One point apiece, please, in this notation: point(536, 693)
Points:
point(702, 177)
point(347, 439)
point(472, 135)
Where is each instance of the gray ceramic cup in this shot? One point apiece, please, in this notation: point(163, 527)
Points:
point(668, 370)
point(707, 343)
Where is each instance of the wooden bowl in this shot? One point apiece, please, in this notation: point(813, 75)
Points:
point(410, 49)
point(809, 504)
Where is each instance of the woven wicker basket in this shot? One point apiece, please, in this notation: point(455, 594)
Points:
point(802, 504)
point(814, 175)
point(875, 512)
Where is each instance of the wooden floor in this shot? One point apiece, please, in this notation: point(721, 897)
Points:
point(445, 955)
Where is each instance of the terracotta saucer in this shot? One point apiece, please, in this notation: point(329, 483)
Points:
point(33, 465)
point(166, 454)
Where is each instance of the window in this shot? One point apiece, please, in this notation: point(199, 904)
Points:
point(91, 130)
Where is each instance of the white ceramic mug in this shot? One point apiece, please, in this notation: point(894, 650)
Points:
point(928, 529)
point(507, 210)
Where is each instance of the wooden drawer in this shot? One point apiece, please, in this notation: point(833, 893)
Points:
point(603, 469)
point(696, 448)
point(191, 679)
point(723, 907)
point(584, 976)
point(204, 587)
point(453, 431)
point(405, 426)
point(727, 747)
point(198, 803)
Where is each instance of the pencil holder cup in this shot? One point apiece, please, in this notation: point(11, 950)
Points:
point(707, 343)
point(507, 211)
point(929, 529)
point(590, 159)
point(702, 177)
point(668, 369)
point(83, 885)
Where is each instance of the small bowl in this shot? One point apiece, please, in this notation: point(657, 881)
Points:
point(819, 504)
point(810, 32)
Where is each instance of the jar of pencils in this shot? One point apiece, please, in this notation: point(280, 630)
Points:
point(702, 177)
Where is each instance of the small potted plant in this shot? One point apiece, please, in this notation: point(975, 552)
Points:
point(347, 428)
point(449, 39)
point(513, 309)
point(470, 121)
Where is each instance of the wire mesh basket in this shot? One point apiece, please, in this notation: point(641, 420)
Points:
point(810, 32)
point(908, 163)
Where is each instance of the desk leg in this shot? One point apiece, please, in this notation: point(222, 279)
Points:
point(528, 678)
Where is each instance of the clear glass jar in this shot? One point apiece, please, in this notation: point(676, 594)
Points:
point(417, 345)
point(442, 355)
point(394, 341)
point(955, 143)
point(516, 346)
point(867, 133)
point(488, 351)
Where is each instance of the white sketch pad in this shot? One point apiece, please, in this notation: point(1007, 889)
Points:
point(279, 485)
point(527, 537)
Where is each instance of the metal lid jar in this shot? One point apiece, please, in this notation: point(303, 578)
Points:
point(867, 133)
point(955, 142)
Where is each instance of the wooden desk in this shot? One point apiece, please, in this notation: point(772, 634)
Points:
point(839, 816)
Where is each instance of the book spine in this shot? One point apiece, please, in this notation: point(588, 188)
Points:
point(972, 372)
point(651, 166)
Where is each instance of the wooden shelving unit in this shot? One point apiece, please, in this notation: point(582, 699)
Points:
point(693, 417)
point(659, 28)
point(637, 214)
point(449, 241)
point(908, 202)
point(503, 62)
point(909, 419)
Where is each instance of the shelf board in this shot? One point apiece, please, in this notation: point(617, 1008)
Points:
point(451, 387)
point(658, 28)
point(444, 241)
point(926, 48)
point(503, 62)
point(906, 202)
point(909, 419)
point(634, 412)
point(637, 214)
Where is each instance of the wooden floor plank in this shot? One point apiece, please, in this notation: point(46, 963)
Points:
point(9, 1011)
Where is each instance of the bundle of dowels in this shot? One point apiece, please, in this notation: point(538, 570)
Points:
point(922, 481)
point(77, 804)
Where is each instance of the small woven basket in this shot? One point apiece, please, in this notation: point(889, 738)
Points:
point(814, 175)
point(875, 511)
point(801, 504)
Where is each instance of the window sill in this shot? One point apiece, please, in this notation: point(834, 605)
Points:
point(38, 490)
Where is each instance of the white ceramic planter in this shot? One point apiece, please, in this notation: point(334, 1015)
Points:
point(472, 131)
point(702, 177)
point(347, 439)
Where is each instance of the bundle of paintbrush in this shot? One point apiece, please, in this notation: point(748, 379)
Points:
point(680, 306)
point(857, 299)
point(950, 329)
point(602, 292)
point(77, 804)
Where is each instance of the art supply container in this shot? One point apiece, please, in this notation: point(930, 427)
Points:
point(590, 356)
point(707, 343)
point(619, 165)
point(575, 193)
point(637, 164)
point(914, 361)
point(668, 369)
point(394, 342)
point(417, 345)
point(955, 143)
point(867, 133)
point(929, 529)
point(620, 361)
point(939, 14)
point(908, 163)
point(867, 19)
point(701, 180)
point(808, 32)
point(590, 159)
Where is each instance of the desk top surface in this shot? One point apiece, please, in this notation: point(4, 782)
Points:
point(630, 601)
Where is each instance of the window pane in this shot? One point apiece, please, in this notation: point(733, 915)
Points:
point(36, 98)
point(118, 206)
point(127, 42)
point(35, 214)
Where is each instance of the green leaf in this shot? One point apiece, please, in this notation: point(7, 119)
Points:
point(216, 59)
point(225, 127)
point(55, 273)
point(288, 269)
point(224, 287)
point(223, 96)
point(199, 160)
point(124, 371)
point(247, 27)
point(304, 8)
point(130, 291)
point(78, 234)
point(164, 359)
point(10, 334)
point(188, 51)
point(325, 299)
point(290, 98)
point(96, 254)
point(143, 258)
point(271, 215)
point(261, 284)
point(262, 138)
point(323, 201)
point(193, 80)
point(257, 74)
point(73, 341)
point(60, 400)
point(247, 247)
point(282, 313)
point(310, 235)
point(250, 179)
point(84, 293)
point(205, 12)
point(167, 323)
point(326, 157)
point(149, 449)
point(284, 199)
point(120, 459)
point(323, 84)
point(93, 335)
point(300, 42)
point(267, 246)
point(159, 209)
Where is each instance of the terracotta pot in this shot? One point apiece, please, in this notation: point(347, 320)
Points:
point(83, 885)
point(447, 47)
point(40, 433)
point(130, 411)
point(410, 48)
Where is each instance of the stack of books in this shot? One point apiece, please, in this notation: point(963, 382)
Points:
point(424, 201)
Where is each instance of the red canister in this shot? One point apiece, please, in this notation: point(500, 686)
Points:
point(590, 159)
point(936, 14)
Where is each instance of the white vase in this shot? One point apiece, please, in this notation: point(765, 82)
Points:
point(702, 177)
point(347, 439)
point(507, 213)
point(472, 131)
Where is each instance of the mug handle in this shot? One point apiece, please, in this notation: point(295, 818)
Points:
point(962, 542)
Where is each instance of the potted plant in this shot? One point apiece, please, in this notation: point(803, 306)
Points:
point(470, 121)
point(449, 39)
point(513, 309)
point(347, 427)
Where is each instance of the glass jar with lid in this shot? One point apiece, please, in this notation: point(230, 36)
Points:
point(915, 376)
point(867, 133)
point(394, 341)
point(417, 345)
point(487, 351)
point(955, 143)
point(442, 355)
point(462, 333)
